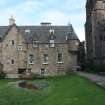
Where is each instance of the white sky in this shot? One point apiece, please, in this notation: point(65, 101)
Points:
point(33, 12)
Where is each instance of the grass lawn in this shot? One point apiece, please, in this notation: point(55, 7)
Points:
point(65, 90)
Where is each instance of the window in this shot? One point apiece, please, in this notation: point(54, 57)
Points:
point(76, 43)
point(45, 59)
point(51, 31)
point(12, 61)
point(31, 59)
point(35, 43)
point(42, 72)
point(60, 57)
point(27, 30)
point(52, 43)
point(19, 46)
point(13, 42)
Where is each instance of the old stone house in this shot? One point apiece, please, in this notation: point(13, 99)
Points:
point(48, 48)
point(95, 31)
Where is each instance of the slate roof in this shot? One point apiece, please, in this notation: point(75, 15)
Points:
point(41, 33)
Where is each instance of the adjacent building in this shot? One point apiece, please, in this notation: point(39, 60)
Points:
point(33, 49)
point(95, 31)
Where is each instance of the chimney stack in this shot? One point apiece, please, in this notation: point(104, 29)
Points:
point(45, 24)
point(11, 21)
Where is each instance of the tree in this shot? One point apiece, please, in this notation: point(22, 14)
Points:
point(81, 55)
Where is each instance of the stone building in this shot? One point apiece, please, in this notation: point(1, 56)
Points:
point(48, 48)
point(95, 31)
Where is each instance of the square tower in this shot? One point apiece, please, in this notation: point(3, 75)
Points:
point(94, 29)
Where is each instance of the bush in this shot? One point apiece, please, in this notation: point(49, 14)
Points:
point(30, 76)
point(96, 68)
point(102, 67)
point(2, 75)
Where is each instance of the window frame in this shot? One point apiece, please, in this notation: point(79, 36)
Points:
point(61, 58)
point(13, 42)
point(52, 43)
point(32, 59)
point(27, 31)
point(20, 47)
point(51, 31)
point(35, 43)
point(12, 62)
point(45, 59)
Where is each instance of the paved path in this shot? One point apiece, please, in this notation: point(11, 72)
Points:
point(99, 80)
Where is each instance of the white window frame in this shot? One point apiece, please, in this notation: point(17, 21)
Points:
point(45, 59)
point(52, 43)
point(20, 47)
point(61, 61)
point(35, 43)
point(66, 37)
point(76, 43)
point(31, 59)
point(27, 30)
point(51, 31)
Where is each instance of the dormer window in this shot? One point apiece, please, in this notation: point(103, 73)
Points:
point(27, 30)
point(35, 43)
point(69, 35)
point(51, 31)
point(52, 43)
point(76, 43)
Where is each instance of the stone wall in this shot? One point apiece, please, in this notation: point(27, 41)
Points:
point(14, 59)
point(95, 16)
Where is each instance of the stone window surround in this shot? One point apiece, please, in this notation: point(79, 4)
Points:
point(31, 59)
point(20, 47)
point(45, 59)
point(12, 62)
point(27, 30)
point(60, 58)
point(13, 42)
point(51, 31)
point(35, 43)
point(52, 43)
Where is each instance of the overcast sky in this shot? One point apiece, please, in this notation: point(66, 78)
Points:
point(33, 12)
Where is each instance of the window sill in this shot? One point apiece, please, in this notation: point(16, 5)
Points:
point(60, 62)
point(31, 63)
point(45, 63)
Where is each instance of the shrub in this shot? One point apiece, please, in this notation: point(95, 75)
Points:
point(2, 75)
point(96, 68)
point(102, 67)
point(30, 76)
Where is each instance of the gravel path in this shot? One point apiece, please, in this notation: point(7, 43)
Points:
point(99, 80)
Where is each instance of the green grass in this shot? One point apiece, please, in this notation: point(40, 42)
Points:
point(65, 90)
